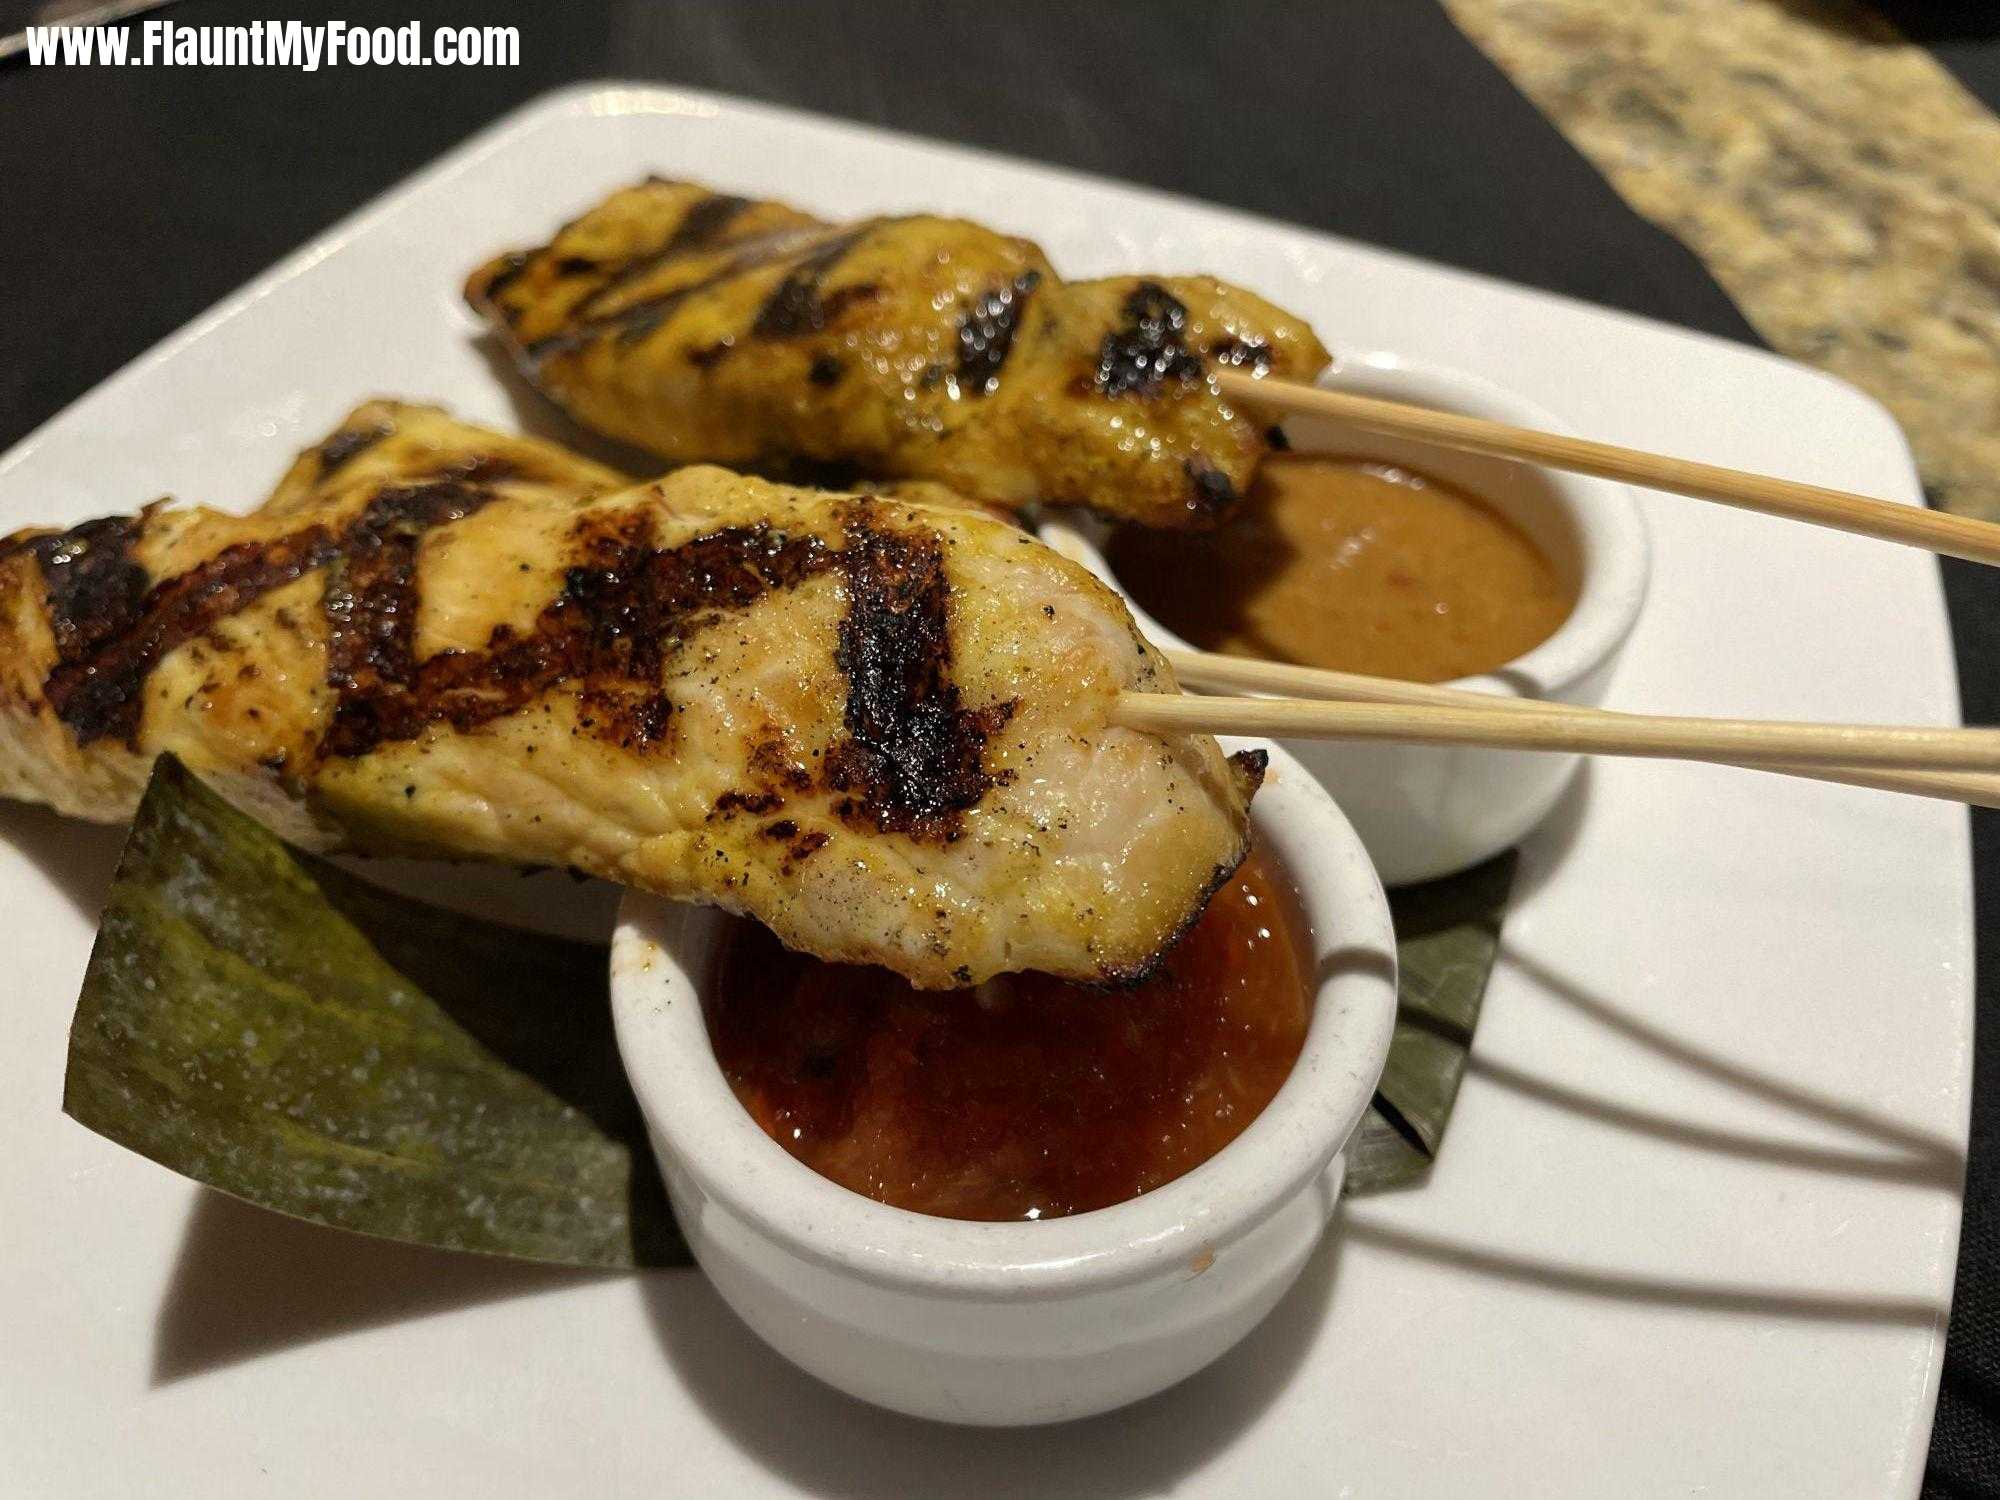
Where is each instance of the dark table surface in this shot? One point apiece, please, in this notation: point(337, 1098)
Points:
point(135, 198)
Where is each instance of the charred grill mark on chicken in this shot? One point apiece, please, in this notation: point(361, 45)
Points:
point(986, 334)
point(632, 323)
point(800, 304)
point(94, 590)
point(1148, 351)
point(624, 606)
point(702, 228)
point(914, 758)
point(111, 630)
point(370, 608)
point(348, 444)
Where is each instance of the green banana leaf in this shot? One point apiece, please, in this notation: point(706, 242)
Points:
point(1447, 932)
point(260, 1021)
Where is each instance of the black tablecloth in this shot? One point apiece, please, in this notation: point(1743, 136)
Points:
point(135, 198)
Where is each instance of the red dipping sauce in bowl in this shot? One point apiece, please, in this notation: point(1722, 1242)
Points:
point(1029, 1097)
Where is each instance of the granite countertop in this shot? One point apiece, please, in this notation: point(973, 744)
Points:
point(1842, 187)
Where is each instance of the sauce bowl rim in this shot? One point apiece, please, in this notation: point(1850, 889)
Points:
point(698, 1122)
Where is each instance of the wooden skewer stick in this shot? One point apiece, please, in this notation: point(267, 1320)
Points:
point(1217, 673)
point(1934, 531)
point(1731, 741)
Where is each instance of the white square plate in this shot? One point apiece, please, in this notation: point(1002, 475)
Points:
point(1695, 1225)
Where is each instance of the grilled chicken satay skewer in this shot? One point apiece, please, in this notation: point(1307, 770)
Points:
point(880, 727)
point(1912, 526)
point(1209, 671)
point(709, 328)
point(706, 327)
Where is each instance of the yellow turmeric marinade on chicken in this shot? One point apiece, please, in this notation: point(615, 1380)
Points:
point(878, 726)
point(711, 328)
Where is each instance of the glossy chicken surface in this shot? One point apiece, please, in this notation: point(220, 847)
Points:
point(711, 328)
point(877, 725)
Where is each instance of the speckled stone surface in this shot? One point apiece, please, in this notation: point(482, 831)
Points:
point(1841, 186)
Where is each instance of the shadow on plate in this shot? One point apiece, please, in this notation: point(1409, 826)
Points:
point(1905, 1155)
point(249, 1282)
point(829, 1444)
point(1623, 1286)
point(1939, 1168)
point(1917, 1156)
point(78, 858)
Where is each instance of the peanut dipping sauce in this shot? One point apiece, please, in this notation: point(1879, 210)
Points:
point(1354, 566)
point(1029, 1097)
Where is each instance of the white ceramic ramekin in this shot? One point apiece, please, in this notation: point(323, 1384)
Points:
point(1426, 811)
point(1015, 1323)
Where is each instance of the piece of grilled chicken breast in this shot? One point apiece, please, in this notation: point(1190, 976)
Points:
point(711, 328)
point(879, 726)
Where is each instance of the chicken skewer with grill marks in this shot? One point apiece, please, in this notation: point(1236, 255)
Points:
point(710, 328)
point(879, 726)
